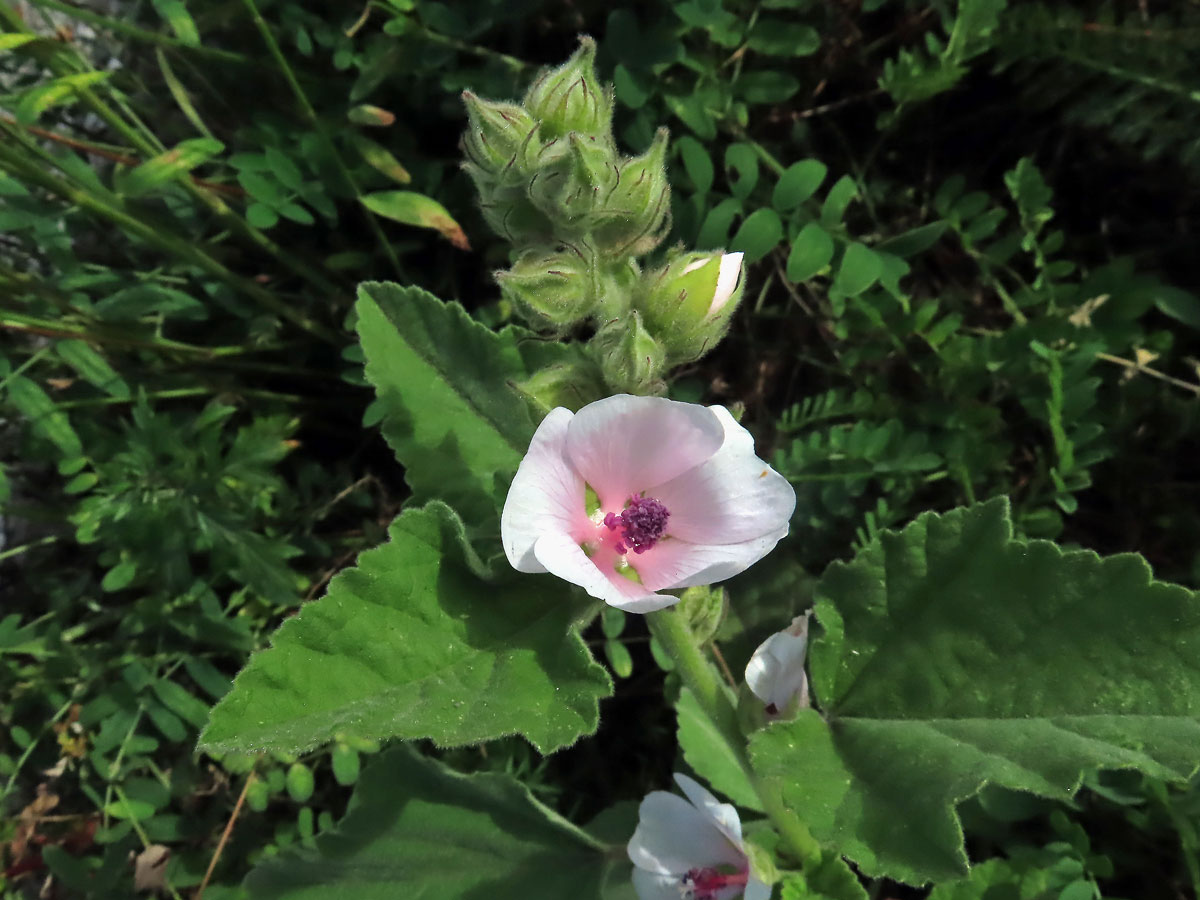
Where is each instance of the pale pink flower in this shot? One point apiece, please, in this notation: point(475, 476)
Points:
point(775, 673)
point(693, 850)
point(678, 499)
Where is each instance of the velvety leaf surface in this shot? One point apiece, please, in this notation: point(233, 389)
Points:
point(708, 753)
point(954, 655)
point(418, 829)
point(413, 643)
point(445, 383)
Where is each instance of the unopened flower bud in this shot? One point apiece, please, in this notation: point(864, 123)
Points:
point(688, 303)
point(630, 358)
point(495, 141)
point(633, 218)
point(570, 188)
point(571, 384)
point(551, 290)
point(571, 98)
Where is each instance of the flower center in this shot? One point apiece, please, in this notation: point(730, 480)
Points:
point(703, 884)
point(641, 523)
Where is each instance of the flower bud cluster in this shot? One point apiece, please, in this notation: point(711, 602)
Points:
point(579, 215)
point(548, 171)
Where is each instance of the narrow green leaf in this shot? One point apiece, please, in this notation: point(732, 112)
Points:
point(46, 418)
point(92, 367)
point(181, 702)
point(952, 656)
point(758, 235)
point(56, 93)
point(416, 209)
point(150, 299)
point(177, 161)
point(175, 14)
point(381, 159)
point(860, 268)
point(439, 835)
point(180, 94)
point(798, 182)
point(914, 241)
point(412, 643)
point(13, 41)
point(708, 752)
point(812, 251)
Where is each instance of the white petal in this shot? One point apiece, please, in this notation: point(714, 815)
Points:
point(727, 281)
point(673, 837)
point(775, 673)
point(546, 494)
point(561, 555)
point(625, 444)
point(723, 815)
point(757, 890)
point(671, 563)
point(732, 497)
point(653, 886)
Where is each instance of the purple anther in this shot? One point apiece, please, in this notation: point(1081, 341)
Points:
point(612, 520)
point(644, 521)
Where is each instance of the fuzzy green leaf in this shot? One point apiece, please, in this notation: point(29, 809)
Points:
point(414, 643)
point(953, 656)
point(418, 828)
point(710, 755)
point(445, 384)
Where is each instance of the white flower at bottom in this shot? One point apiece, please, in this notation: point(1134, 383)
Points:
point(775, 673)
point(691, 849)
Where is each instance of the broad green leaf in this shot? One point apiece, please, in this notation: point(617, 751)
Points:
point(413, 643)
point(629, 90)
point(758, 235)
point(417, 829)
point(812, 251)
point(709, 754)
point(837, 200)
point(860, 268)
point(778, 37)
point(416, 209)
point(696, 162)
point(798, 182)
point(915, 240)
point(741, 166)
point(177, 161)
point(92, 367)
point(43, 414)
point(444, 382)
point(714, 233)
point(954, 656)
point(765, 86)
point(1179, 304)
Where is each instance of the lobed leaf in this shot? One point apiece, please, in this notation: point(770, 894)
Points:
point(418, 827)
point(954, 655)
point(414, 643)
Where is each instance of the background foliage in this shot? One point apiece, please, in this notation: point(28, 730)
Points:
point(969, 229)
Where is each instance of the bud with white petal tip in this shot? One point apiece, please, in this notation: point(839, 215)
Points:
point(688, 303)
point(571, 98)
point(775, 673)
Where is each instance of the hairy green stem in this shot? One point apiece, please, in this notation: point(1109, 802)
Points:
point(671, 631)
point(315, 122)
